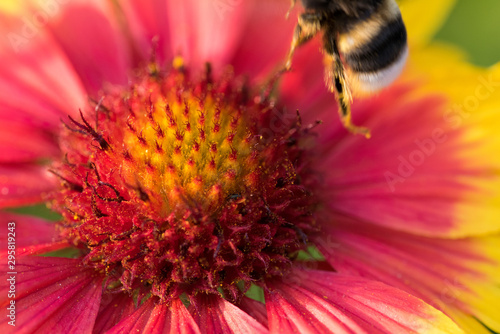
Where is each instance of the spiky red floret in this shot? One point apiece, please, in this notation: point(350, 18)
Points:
point(184, 187)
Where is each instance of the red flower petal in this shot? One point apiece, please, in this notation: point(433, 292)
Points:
point(423, 200)
point(198, 30)
point(20, 142)
point(266, 40)
point(215, 315)
point(27, 128)
point(215, 32)
point(114, 308)
point(158, 318)
point(53, 295)
point(30, 93)
point(451, 275)
point(93, 42)
point(147, 20)
point(32, 235)
point(324, 302)
point(23, 184)
point(220, 32)
point(304, 89)
point(255, 309)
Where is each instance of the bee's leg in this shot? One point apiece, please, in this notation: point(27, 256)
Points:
point(337, 83)
point(308, 25)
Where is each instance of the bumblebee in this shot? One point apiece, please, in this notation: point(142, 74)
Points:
point(365, 46)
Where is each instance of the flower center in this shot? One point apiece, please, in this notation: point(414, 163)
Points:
point(176, 186)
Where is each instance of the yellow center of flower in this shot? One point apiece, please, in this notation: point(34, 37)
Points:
point(186, 149)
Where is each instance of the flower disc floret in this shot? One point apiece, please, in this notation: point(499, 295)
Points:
point(182, 186)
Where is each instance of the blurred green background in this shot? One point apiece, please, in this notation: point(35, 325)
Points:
point(474, 25)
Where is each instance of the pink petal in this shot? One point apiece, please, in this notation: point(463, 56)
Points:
point(325, 302)
point(91, 38)
point(304, 89)
point(135, 322)
point(409, 176)
point(445, 273)
point(266, 40)
point(23, 184)
point(53, 295)
point(216, 315)
point(253, 36)
point(156, 318)
point(147, 20)
point(255, 309)
point(20, 142)
point(32, 235)
point(198, 30)
point(114, 308)
point(38, 74)
point(218, 27)
point(179, 320)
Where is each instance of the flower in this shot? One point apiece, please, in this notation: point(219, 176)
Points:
point(182, 178)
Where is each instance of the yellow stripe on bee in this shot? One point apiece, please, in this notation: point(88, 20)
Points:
point(366, 30)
